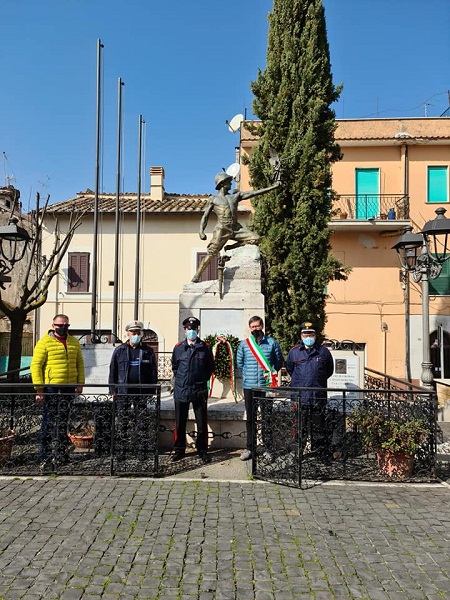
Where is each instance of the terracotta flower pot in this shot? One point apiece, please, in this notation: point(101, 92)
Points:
point(82, 440)
point(395, 464)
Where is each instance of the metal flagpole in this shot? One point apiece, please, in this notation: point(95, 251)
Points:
point(114, 327)
point(97, 179)
point(138, 223)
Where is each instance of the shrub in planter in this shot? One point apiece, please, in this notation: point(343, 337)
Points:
point(395, 439)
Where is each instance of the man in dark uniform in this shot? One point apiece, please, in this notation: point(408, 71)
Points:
point(310, 365)
point(192, 366)
point(133, 362)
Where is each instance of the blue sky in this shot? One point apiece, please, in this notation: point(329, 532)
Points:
point(187, 68)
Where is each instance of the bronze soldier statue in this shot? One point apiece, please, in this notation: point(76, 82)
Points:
point(224, 205)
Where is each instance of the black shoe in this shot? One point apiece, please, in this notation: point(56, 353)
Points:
point(205, 458)
point(177, 456)
point(47, 466)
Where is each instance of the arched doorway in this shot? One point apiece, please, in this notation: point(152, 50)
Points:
point(440, 353)
point(151, 338)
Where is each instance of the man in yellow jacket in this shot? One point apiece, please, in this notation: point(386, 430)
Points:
point(57, 371)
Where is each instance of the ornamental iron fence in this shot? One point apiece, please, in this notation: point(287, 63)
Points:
point(79, 434)
point(301, 436)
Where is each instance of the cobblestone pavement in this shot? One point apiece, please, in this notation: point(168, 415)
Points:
point(72, 538)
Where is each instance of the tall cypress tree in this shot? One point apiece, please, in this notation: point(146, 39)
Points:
point(292, 98)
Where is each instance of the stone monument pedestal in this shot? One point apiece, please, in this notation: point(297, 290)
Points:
point(229, 314)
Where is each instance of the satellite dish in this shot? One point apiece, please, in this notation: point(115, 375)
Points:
point(233, 170)
point(235, 123)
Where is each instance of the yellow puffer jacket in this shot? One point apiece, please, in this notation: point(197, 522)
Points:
point(53, 364)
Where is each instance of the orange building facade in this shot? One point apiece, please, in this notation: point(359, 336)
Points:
point(394, 173)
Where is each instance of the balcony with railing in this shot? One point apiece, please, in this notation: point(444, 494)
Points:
point(386, 210)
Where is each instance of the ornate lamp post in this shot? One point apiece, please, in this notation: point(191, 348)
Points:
point(13, 243)
point(423, 255)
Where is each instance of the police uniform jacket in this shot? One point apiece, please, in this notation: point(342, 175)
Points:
point(310, 368)
point(120, 366)
point(192, 367)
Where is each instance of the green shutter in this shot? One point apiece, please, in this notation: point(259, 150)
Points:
point(441, 285)
point(437, 184)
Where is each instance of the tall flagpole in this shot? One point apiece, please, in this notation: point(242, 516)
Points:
point(114, 328)
point(138, 223)
point(97, 180)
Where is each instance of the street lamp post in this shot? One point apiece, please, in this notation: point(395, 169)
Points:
point(424, 264)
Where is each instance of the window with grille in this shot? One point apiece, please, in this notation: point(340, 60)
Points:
point(78, 272)
point(211, 272)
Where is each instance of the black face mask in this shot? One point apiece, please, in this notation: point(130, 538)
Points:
point(61, 331)
point(257, 333)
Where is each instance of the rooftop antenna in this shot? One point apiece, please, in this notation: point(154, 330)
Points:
point(235, 123)
point(8, 178)
point(426, 105)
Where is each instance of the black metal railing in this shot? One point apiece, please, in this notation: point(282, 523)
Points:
point(304, 435)
point(370, 206)
point(91, 433)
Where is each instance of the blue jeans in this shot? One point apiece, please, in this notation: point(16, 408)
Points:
point(55, 421)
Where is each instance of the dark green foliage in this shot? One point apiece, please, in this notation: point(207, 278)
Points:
point(292, 98)
point(222, 358)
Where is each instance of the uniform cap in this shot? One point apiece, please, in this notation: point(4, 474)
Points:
point(307, 327)
point(134, 326)
point(191, 322)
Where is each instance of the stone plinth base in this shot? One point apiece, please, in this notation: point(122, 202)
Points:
point(226, 424)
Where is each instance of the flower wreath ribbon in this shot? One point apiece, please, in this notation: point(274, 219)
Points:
point(221, 339)
point(270, 375)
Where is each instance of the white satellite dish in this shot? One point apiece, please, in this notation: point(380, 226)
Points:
point(235, 123)
point(233, 170)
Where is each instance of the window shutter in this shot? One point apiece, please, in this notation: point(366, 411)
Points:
point(78, 272)
point(441, 285)
point(211, 272)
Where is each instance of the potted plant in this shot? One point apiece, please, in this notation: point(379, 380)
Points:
point(394, 438)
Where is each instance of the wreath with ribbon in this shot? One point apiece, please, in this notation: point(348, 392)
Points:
point(224, 351)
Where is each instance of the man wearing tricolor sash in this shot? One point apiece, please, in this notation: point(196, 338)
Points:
point(259, 359)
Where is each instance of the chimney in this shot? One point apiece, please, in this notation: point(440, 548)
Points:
point(157, 183)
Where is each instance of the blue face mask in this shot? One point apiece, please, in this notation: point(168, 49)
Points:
point(191, 335)
point(309, 341)
point(135, 339)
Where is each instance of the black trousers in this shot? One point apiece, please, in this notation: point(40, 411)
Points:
point(266, 421)
point(133, 425)
point(199, 406)
point(315, 425)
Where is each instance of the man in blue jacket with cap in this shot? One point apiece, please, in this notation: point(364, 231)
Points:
point(310, 365)
point(192, 366)
point(133, 362)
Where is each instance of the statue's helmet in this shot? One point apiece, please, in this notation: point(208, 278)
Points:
point(220, 178)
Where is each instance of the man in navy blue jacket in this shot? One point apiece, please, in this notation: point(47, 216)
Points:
point(192, 366)
point(133, 362)
point(310, 365)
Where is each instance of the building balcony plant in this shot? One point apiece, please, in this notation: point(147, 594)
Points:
point(395, 437)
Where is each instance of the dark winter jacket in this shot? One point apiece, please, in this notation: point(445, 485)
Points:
point(252, 373)
point(192, 367)
point(310, 368)
point(120, 365)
